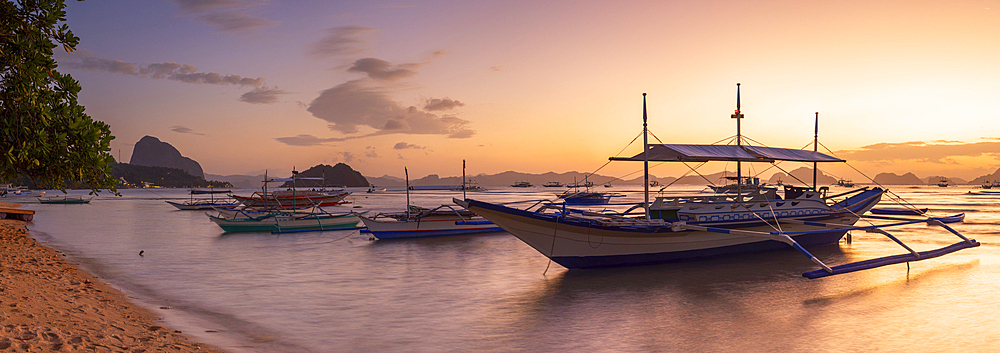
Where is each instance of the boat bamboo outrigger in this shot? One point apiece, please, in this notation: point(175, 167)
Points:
point(680, 228)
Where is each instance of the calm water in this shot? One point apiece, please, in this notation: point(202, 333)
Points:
point(339, 291)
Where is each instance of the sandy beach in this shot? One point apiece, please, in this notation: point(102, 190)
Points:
point(50, 305)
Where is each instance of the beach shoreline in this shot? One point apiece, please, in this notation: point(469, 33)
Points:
point(49, 304)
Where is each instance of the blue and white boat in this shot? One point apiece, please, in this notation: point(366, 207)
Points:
point(679, 228)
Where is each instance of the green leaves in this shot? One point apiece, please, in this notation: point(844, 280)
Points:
point(44, 132)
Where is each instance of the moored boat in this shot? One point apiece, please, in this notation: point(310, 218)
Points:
point(250, 220)
point(679, 228)
point(65, 199)
point(423, 222)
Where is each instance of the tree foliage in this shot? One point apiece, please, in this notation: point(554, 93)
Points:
point(44, 132)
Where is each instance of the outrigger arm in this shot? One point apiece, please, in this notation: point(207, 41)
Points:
point(785, 237)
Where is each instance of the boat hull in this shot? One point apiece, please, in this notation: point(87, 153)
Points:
point(428, 227)
point(286, 223)
point(575, 243)
point(186, 206)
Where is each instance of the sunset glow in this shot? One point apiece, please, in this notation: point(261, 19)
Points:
point(243, 86)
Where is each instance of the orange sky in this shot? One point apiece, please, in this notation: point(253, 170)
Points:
point(517, 85)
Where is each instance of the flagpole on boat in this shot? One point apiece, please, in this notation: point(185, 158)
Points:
point(645, 158)
point(739, 142)
point(815, 148)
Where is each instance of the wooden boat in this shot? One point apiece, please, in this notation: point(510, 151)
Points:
point(899, 211)
point(587, 197)
point(522, 184)
point(65, 199)
point(423, 222)
point(193, 204)
point(251, 220)
point(553, 184)
point(845, 183)
point(679, 228)
point(943, 183)
point(293, 199)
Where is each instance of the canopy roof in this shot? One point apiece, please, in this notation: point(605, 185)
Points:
point(732, 153)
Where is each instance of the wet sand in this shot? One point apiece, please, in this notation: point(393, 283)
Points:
point(48, 304)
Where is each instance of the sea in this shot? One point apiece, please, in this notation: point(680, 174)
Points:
point(343, 291)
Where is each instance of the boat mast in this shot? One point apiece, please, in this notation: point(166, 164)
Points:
point(407, 174)
point(815, 148)
point(645, 157)
point(463, 180)
point(739, 142)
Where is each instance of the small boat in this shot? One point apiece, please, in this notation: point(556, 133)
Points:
point(553, 184)
point(522, 184)
point(293, 199)
point(278, 221)
point(845, 183)
point(744, 185)
point(952, 219)
point(899, 211)
point(193, 204)
point(943, 183)
point(65, 199)
point(423, 222)
point(587, 197)
point(373, 190)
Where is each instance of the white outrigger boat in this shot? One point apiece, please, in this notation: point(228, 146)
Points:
point(422, 222)
point(282, 221)
point(687, 228)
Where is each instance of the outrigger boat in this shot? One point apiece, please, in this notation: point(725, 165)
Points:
point(683, 228)
point(292, 198)
point(423, 222)
point(65, 199)
point(250, 220)
point(193, 204)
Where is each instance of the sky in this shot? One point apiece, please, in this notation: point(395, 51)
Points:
point(536, 86)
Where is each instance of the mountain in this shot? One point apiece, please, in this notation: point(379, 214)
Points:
point(894, 179)
point(130, 175)
point(238, 181)
point(937, 178)
point(337, 175)
point(151, 152)
point(805, 175)
point(986, 178)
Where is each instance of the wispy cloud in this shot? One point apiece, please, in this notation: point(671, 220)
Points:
point(225, 15)
point(85, 60)
point(306, 140)
point(382, 70)
point(404, 146)
point(941, 152)
point(344, 41)
point(184, 130)
point(262, 95)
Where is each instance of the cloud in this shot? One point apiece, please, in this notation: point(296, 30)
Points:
point(343, 41)
point(404, 145)
point(442, 104)
point(262, 95)
point(225, 15)
point(936, 152)
point(352, 104)
point(347, 156)
point(184, 130)
point(167, 70)
point(303, 140)
point(382, 70)
point(399, 156)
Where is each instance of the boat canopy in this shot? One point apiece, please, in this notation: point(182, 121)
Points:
point(732, 153)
